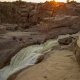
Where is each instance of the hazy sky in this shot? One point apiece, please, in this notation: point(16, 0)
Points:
point(39, 0)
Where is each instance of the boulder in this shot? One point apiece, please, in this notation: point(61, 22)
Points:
point(40, 58)
point(65, 41)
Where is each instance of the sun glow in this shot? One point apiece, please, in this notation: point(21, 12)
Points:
point(60, 0)
point(66, 0)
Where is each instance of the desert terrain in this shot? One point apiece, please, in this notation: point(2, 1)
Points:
point(39, 41)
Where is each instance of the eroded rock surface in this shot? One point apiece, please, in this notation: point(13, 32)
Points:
point(12, 42)
point(77, 49)
point(65, 41)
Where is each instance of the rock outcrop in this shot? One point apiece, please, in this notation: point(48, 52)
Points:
point(65, 41)
point(36, 23)
point(58, 25)
point(49, 28)
point(77, 50)
point(11, 43)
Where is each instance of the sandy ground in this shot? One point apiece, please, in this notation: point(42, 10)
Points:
point(60, 65)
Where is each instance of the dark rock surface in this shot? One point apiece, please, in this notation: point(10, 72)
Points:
point(65, 41)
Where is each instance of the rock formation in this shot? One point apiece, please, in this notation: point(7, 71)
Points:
point(47, 29)
point(23, 24)
point(65, 41)
point(77, 50)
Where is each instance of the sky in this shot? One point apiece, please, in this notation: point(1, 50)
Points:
point(39, 0)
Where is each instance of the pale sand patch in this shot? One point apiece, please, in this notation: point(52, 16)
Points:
point(60, 65)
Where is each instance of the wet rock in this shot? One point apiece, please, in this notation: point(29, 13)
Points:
point(40, 58)
point(65, 41)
